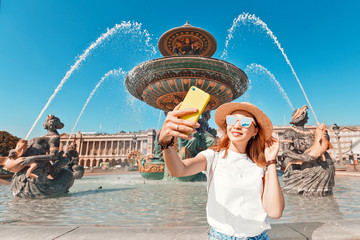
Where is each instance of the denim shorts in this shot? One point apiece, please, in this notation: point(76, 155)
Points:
point(215, 235)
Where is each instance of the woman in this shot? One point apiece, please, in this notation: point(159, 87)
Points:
point(239, 195)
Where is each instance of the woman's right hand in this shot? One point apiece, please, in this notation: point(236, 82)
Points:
point(174, 126)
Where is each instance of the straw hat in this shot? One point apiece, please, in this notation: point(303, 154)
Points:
point(263, 122)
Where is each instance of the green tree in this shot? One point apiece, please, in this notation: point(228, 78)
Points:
point(7, 142)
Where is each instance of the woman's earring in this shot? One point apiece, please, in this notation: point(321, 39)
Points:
point(253, 137)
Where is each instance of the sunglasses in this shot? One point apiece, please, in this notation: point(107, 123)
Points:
point(244, 121)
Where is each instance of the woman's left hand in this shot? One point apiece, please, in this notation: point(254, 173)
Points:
point(272, 147)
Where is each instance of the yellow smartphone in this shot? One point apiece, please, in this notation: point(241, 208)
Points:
point(197, 98)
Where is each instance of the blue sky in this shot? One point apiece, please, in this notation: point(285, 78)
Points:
point(41, 40)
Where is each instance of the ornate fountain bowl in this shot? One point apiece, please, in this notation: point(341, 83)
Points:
point(187, 40)
point(164, 82)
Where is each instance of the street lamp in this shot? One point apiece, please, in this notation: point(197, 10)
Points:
point(336, 129)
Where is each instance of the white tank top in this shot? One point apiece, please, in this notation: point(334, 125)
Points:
point(234, 204)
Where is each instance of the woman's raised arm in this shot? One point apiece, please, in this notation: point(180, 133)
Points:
point(175, 127)
point(273, 199)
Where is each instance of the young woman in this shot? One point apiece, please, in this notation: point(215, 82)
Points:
point(240, 195)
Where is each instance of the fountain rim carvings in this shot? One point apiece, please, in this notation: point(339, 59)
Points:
point(219, 71)
point(206, 40)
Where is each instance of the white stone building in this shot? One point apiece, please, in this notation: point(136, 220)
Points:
point(95, 148)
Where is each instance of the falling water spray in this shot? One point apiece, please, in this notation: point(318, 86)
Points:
point(125, 27)
point(257, 68)
point(116, 72)
point(246, 17)
point(158, 124)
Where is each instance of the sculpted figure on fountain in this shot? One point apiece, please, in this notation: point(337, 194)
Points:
point(309, 168)
point(50, 175)
point(73, 165)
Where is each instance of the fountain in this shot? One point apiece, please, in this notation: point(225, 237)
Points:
point(128, 200)
point(163, 83)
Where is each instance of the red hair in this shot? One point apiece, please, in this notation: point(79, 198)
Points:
point(254, 148)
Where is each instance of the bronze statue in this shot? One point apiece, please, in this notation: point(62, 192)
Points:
point(52, 177)
point(73, 165)
point(13, 164)
point(202, 139)
point(309, 168)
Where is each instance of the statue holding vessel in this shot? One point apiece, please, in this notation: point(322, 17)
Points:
point(309, 168)
point(40, 169)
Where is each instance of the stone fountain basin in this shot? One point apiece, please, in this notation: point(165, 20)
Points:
point(164, 82)
point(129, 200)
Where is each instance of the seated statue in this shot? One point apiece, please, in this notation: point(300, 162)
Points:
point(309, 168)
point(52, 177)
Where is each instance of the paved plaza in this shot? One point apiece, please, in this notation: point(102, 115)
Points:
point(337, 230)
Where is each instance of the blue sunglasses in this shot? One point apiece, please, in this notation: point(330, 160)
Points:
point(244, 121)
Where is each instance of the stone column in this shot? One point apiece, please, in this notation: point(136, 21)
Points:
point(103, 149)
point(99, 148)
point(87, 148)
point(93, 149)
point(124, 147)
point(106, 147)
point(112, 147)
point(94, 146)
point(80, 146)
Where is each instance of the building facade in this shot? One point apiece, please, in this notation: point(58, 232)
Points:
point(96, 148)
